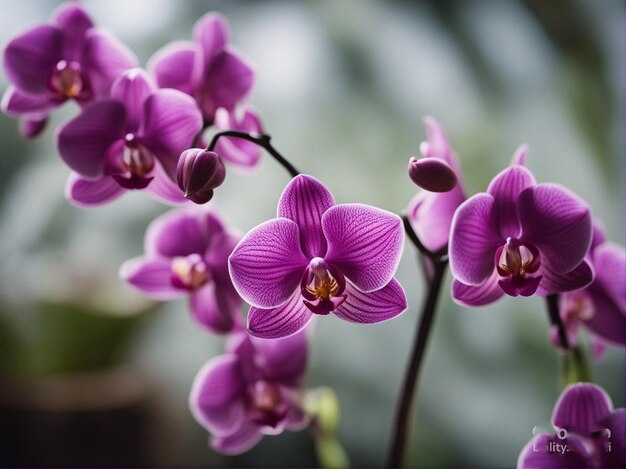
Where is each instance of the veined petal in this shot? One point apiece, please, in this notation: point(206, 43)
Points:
point(83, 141)
point(105, 59)
point(16, 104)
point(365, 243)
point(152, 277)
point(208, 312)
point(505, 189)
point(237, 151)
point(431, 215)
point(474, 240)
point(74, 21)
point(181, 233)
point(610, 262)
point(377, 306)
point(132, 89)
point(267, 265)
point(30, 58)
point(88, 193)
point(557, 222)
point(247, 436)
point(580, 408)
point(281, 321)
point(554, 282)
point(305, 200)
point(172, 66)
point(542, 453)
point(471, 295)
point(284, 360)
point(211, 33)
point(172, 121)
point(217, 396)
point(164, 189)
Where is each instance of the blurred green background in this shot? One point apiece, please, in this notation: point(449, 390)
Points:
point(342, 87)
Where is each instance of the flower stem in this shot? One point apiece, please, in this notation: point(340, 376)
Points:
point(409, 386)
point(260, 140)
point(552, 301)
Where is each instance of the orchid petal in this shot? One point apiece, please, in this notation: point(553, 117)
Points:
point(132, 89)
point(31, 125)
point(377, 306)
point(152, 277)
point(610, 263)
point(613, 442)
point(88, 193)
point(215, 316)
point(30, 58)
point(609, 318)
point(284, 360)
point(172, 66)
point(557, 222)
point(580, 407)
point(554, 282)
point(267, 265)
point(305, 200)
point(470, 295)
point(211, 33)
point(16, 104)
point(172, 121)
point(473, 240)
point(437, 144)
point(365, 243)
point(237, 151)
point(83, 141)
point(281, 321)
point(247, 436)
point(217, 396)
point(164, 189)
point(74, 21)
point(181, 233)
point(520, 156)
point(505, 189)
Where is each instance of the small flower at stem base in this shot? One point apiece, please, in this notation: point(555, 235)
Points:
point(432, 174)
point(198, 173)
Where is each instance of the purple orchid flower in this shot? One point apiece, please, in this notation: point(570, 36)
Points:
point(186, 254)
point(208, 69)
point(519, 238)
point(251, 391)
point(130, 141)
point(431, 213)
point(601, 307)
point(65, 59)
point(235, 151)
point(590, 434)
point(319, 258)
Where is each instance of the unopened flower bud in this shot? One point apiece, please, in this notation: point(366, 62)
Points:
point(199, 172)
point(432, 174)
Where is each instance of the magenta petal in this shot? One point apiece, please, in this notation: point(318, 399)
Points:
point(580, 408)
point(181, 233)
point(284, 360)
point(473, 240)
point(267, 265)
point(542, 452)
point(470, 295)
point(610, 262)
point(32, 125)
point(83, 141)
point(106, 58)
point(557, 222)
point(437, 144)
point(132, 89)
point(247, 436)
point(520, 155)
point(228, 81)
point(164, 189)
point(211, 33)
point(214, 316)
point(305, 200)
point(553, 282)
point(172, 66)
point(282, 321)
point(377, 306)
point(505, 189)
point(87, 193)
point(242, 153)
point(30, 58)
point(16, 104)
point(217, 395)
point(74, 21)
point(609, 319)
point(152, 277)
point(365, 243)
point(172, 121)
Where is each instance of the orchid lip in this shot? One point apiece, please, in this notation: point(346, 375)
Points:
point(266, 403)
point(322, 287)
point(190, 273)
point(515, 260)
point(66, 79)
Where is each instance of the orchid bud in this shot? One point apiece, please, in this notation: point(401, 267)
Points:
point(199, 172)
point(432, 174)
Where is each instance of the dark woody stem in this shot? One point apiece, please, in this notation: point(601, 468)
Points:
point(260, 140)
point(552, 301)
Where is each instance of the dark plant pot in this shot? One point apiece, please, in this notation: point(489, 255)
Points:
point(113, 418)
